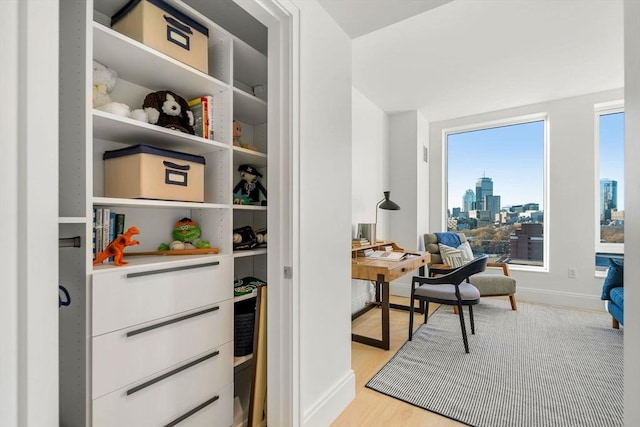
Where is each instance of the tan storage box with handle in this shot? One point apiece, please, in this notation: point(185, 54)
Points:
point(146, 172)
point(164, 28)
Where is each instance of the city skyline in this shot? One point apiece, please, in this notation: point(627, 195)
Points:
point(472, 155)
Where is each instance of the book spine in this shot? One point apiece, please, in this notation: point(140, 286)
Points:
point(99, 217)
point(210, 105)
point(205, 117)
point(195, 105)
point(93, 233)
point(112, 229)
point(119, 224)
point(105, 228)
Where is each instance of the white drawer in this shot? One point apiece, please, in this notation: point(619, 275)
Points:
point(167, 400)
point(136, 296)
point(125, 356)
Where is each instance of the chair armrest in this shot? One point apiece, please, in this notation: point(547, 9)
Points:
point(503, 265)
point(439, 269)
point(445, 277)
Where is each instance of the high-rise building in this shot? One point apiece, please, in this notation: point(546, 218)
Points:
point(467, 200)
point(527, 243)
point(493, 205)
point(608, 198)
point(484, 188)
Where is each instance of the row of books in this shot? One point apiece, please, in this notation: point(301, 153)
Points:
point(202, 109)
point(107, 225)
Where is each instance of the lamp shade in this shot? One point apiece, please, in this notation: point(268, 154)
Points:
point(385, 204)
point(388, 204)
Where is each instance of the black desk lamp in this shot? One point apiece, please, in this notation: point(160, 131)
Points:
point(385, 204)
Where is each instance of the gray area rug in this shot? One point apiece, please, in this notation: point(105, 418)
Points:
point(538, 366)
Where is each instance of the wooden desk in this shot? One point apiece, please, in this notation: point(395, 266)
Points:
point(383, 272)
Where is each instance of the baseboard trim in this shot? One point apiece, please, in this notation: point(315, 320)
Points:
point(560, 298)
point(331, 405)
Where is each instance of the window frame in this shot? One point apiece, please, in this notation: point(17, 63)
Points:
point(515, 120)
point(603, 109)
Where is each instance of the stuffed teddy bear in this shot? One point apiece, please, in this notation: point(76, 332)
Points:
point(186, 234)
point(104, 80)
point(167, 109)
point(249, 186)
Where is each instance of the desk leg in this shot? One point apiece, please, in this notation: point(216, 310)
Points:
point(420, 308)
point(385, 312)
point(385, 342)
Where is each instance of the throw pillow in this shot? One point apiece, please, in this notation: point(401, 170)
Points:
point(614, 279)
point(451, 256)
point(467, 253)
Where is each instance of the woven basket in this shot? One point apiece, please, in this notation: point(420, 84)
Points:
point(244, 322)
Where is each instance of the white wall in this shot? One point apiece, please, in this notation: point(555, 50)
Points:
point(29, 214)
point(393, 144)
point(369, 178)
point(632, 213)
point(408, 178)
point(327, 382)
point(370, 162)
point(570, 212)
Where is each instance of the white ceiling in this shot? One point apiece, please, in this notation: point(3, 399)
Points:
point(472, 56)
point(359, 17)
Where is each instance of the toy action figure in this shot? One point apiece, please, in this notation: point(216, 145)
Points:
point(249, 185)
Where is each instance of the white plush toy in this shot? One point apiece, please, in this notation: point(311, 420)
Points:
point(104, 80)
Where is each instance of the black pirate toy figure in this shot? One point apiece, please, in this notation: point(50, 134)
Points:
point(249, 186)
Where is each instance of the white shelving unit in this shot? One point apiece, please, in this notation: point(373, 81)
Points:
point(186, 301)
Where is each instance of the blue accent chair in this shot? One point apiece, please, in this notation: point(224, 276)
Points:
point(613, 291)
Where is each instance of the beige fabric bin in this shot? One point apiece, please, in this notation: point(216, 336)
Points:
point(146, 172)
point(164, 28)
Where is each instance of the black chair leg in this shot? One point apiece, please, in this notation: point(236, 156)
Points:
point(473, 328)
point(426, 311)
point(411, 317)
point(463, 328)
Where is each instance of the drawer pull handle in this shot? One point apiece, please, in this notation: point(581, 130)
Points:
point(170, 373)
point(193, 411)
point(169, 270)
point(169, 322)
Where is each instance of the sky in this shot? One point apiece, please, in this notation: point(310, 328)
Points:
point(612, 151)
point(512, 156)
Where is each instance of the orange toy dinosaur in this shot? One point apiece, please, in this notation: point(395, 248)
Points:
point(115, 249)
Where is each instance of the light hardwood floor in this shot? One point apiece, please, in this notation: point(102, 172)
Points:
point(370, 408)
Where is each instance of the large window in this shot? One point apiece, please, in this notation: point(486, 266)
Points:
point(496, 189)
point(610, 185)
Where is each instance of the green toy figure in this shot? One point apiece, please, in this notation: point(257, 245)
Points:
point(187, 236)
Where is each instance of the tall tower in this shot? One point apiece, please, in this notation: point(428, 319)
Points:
point(484, 187)
point(492, 205)
point(608, 198)
point(467, 200)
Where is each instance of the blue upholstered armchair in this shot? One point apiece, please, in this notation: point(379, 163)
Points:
point(613, 291)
